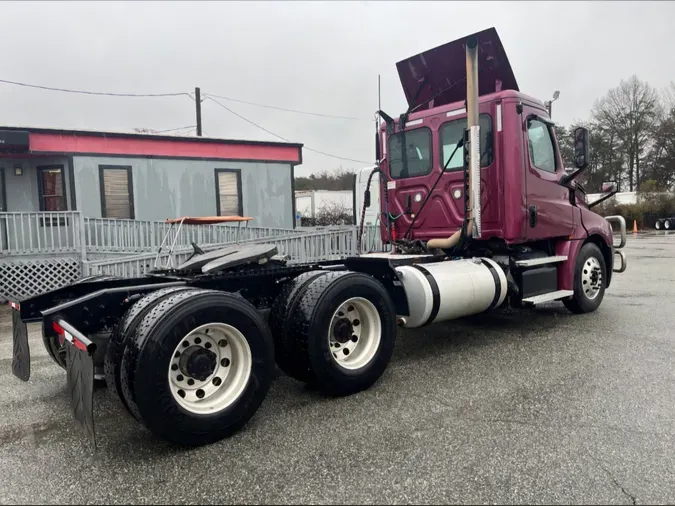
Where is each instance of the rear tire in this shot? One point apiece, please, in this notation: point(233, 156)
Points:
point(330, 312)
point(285, 304)
point(590, 275)
point(658, 225)
point(124, 331)
point(149, 369)
point(668, 224)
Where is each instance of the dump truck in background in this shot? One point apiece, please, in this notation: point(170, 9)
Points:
point(476, 211)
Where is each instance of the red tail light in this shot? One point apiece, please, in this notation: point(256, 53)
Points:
point(58, 329)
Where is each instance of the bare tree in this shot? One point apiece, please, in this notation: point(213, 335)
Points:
point(330, 213)
point(668, 97)
point(628, 116)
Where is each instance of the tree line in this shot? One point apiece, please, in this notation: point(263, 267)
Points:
point(338, 179)
point(632, 138)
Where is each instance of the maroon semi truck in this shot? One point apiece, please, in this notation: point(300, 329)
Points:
point(529, 204)
point(477, 212)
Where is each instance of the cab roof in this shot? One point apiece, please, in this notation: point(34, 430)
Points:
point(502, 95)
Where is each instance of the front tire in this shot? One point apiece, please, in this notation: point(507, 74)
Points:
point(341, 334)
point(171, 380)
point(590, 276)
point(668, 224)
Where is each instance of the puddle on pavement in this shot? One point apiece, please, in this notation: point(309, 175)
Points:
point(38, 433)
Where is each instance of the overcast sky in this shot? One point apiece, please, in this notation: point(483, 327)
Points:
point(318, 56)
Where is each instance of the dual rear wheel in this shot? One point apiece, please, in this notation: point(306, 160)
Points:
point(194, 365)
point(334, 330)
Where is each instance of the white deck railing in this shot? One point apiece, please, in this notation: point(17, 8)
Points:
point(42, 251)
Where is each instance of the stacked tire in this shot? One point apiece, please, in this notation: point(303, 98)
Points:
point(665, 224)
point(164, 338)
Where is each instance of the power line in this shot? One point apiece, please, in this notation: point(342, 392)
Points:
point(83, 92)
point(189, 127)
point(210, 97)
point(285, 109)
point(206, 97)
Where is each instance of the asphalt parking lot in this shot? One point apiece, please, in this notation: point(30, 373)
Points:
point(535, 406)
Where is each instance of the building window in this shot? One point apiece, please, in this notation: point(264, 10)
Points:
point(117, 195)
point(51, 190)
point(228, 193)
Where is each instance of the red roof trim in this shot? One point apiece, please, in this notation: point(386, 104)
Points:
point(149, 146)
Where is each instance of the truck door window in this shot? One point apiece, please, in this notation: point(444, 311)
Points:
point(542, 152)
point(418, 154)
point(452, 131)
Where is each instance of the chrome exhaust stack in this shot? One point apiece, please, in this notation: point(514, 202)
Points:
point(473, 228)
point(472, 115)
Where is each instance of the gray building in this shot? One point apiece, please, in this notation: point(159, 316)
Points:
point(146, 177)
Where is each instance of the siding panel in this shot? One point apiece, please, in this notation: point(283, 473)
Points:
point(171, 188)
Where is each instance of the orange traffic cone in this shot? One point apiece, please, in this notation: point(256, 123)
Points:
point(635, 231)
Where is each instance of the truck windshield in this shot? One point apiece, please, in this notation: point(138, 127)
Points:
point(418, 154)
point(452, 131)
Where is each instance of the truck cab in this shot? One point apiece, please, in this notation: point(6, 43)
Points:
point(527, 196)
point(522, 197)
point(521, 168)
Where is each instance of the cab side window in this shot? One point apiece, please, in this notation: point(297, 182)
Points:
point(542, 152)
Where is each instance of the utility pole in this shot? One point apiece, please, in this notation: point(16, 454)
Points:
point(198, 105)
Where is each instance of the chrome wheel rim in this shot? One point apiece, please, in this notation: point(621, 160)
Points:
point(210, 368)
point(355, 333)
point(591, 278)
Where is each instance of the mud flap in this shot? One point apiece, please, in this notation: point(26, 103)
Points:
point(21, 350)
point(80, 372)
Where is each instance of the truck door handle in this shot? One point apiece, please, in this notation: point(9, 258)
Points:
point(533, 216)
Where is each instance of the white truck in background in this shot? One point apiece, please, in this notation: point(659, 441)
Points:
point(311, 203)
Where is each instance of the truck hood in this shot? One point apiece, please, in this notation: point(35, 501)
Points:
point(445, 66)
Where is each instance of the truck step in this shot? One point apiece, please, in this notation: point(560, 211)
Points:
point(548, 297)
point(530, 262)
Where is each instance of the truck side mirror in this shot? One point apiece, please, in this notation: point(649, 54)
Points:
point(581, 147)
point(608, 188)
point(581, 155)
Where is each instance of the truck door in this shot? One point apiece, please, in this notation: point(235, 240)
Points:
point(549, 212)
